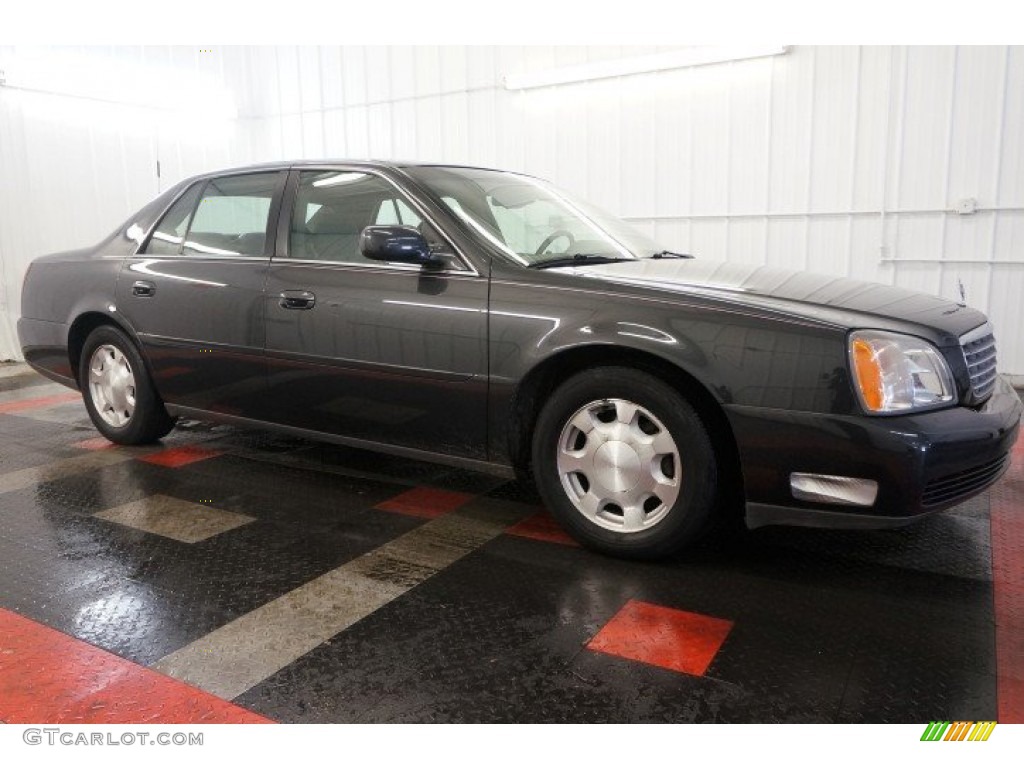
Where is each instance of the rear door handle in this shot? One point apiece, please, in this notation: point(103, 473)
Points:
point(143, 288)
point(297, 300)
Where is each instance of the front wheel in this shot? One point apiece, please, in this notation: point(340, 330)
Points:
point(118, 393)
point(625, 463)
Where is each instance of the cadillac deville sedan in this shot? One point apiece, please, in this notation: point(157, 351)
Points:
point(489, 320)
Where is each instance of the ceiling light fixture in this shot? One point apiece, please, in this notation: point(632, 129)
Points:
point(658, 62)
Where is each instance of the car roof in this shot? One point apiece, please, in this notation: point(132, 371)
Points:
point(364, 163)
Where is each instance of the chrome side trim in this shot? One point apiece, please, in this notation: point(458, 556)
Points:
point(379, 267)
point(196, 259)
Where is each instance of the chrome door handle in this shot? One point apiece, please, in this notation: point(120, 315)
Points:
point(143, 288)
point(297, 300)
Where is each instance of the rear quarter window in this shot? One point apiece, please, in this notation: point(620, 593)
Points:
point(169, 234)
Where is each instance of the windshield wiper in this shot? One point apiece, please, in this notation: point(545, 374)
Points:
point(672, 255)
point(576, 259)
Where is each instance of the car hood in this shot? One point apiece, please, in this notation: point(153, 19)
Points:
point(827, 298)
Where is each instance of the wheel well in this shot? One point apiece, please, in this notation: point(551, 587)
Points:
point(80, 329)
point(539, 383)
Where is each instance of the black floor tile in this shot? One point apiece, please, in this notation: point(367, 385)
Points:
point(828, 626)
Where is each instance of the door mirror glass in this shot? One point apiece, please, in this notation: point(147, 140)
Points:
point(396, 243)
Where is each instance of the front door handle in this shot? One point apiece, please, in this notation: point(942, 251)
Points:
point(297, 300)
point(143, 288)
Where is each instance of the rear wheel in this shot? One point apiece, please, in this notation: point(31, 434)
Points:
point(625, 463)
point(118, 392)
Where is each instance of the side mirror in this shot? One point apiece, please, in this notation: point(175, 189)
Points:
point(395, 243)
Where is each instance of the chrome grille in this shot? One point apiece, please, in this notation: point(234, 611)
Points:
point(979, 347)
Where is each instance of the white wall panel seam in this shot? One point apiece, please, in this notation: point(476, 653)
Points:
point(366, 90)
point(810, 162)
point(728, 156)
point(277, 96)
point(691, 152)
point(947, 166)
point(768, 116)
point(997, 156)
point(323, 98)
point(883, 170)
point(893, 178)
point(891, 134)
point(855, 145)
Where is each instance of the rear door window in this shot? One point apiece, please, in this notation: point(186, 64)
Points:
point(231, 218)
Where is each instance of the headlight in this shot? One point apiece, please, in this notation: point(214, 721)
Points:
point(894, 373)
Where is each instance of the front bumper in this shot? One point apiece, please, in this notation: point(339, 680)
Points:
point(923, 463)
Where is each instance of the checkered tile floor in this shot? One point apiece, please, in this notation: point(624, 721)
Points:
point(239, 576)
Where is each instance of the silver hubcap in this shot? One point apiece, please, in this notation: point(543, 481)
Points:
point(619, 465)
point(112, 385)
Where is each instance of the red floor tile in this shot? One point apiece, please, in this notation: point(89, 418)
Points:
point(542, 527)
point(425, 502)
point(1010, 646)
point(17, 406)
point(1011, 700)
point(665, 637)
point(1007, 504)
point(179, 457)
point(49, 677)
point(93, 444)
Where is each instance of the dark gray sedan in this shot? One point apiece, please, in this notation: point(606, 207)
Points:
point(489, 320)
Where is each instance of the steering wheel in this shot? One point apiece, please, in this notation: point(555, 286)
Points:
point(554, 236)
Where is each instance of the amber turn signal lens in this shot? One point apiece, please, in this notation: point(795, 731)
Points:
point(869, 374)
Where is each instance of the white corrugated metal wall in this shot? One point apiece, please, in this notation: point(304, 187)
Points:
point(847, 160)
point(73, 169)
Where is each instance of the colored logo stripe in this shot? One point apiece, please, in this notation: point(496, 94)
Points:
point(982, 730)
point(943, 730)
point(957, 731)
point(934, 731)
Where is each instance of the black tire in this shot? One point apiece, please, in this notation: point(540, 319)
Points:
point(693, 509)
point(149, 421)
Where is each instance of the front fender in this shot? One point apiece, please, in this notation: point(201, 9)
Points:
point(739, 356)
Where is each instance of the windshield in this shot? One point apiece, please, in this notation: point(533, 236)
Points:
point(531, 221)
